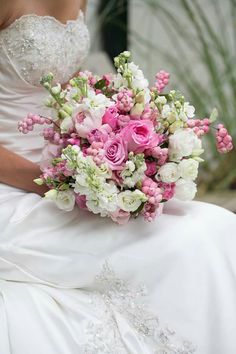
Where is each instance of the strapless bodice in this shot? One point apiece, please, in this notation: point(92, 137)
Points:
point(31, 47)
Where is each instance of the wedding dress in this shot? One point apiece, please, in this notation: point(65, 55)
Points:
point(74, 283)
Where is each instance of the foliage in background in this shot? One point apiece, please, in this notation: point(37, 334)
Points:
point(214, 48)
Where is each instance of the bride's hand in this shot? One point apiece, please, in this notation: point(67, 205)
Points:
point(19, 172)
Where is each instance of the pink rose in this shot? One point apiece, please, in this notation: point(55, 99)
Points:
point(140, 135)
point(151, 168)
point(110, 117)
point(120, 216)
point(115, 153)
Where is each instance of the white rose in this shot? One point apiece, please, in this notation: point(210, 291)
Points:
point(65, 200)
point(169, 172)
point(189, 169)
point(130, 201)
point(185, 190)
point(184, 142)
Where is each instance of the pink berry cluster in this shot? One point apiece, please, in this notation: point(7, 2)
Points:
point(151, 190)
point(95, 150)
point(162, 80)
point(224, 141)
point(154, 195)
point(199, 126)
point(28, 123)
point(125, 101)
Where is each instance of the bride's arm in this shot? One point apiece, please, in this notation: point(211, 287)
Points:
point(19, 172)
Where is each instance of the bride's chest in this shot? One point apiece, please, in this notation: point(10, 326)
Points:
point(36, 45)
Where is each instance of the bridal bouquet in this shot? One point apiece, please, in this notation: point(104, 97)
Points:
point(118, 148)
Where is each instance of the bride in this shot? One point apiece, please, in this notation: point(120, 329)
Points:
point(74, 283)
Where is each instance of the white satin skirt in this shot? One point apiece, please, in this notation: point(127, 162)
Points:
point(74, 283)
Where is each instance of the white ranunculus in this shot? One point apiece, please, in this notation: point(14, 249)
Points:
point(51, 194)
point(189, 169)
point(130, 201)
point(184, 142)
point(169, 173)
point(185, 190)
point(66, 124)
point(65, 200)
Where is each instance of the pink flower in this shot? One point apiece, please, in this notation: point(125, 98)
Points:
point(99, 135)
point(81, 201)
point(168, 190)
point(110, 117)
point(115, 153)
point(140, 136)
point(120, 216)
point(151, 168)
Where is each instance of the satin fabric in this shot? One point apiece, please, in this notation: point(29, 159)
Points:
point(50, 262)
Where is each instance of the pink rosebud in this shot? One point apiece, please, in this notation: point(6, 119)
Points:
point(151, 168)
point(81, 201)
point(110, 117)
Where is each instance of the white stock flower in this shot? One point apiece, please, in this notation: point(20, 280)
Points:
point(97, 100)
point(185, 190)
point(139, 82)
point(169, 173)
point(166, 110)
point(184, 142)
point(130, 201)
point(65, 200)
point(189, 169)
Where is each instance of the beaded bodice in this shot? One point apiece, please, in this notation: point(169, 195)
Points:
point(36, 45)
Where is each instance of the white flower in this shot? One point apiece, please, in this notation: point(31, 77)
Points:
point(87, 118)
point(139, 82)
point(65, 200)
point(51, 194)
point(166, 110)
point(97, 100)
point(161, 100)
point(185, 190)
point(189, 169)
point(66, 124)
point(184, 142)
point(130, 201)
point(189, 110)
point(169, 172)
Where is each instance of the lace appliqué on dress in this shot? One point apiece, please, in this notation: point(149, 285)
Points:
point(119, 308)
point(37, 45)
